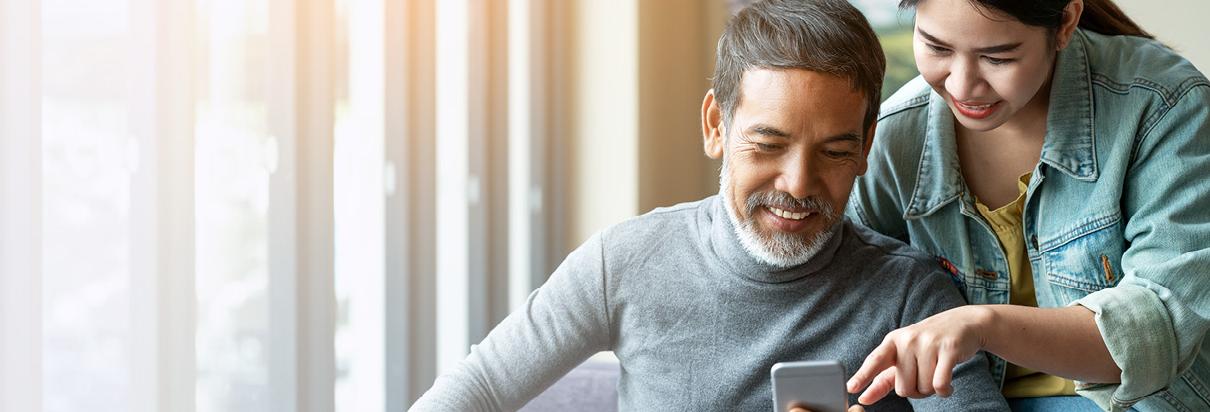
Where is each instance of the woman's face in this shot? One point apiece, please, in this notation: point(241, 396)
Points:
point(987, 65)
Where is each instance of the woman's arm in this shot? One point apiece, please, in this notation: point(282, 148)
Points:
point(1059, 341)
point(1152, 324)
point(918, 360)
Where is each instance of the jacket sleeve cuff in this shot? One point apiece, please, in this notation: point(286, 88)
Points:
point(1138, 332)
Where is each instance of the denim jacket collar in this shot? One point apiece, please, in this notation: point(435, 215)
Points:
point(1069, 145)
point(1070, 136)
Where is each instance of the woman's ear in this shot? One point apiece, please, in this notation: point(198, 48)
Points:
point(1071, 20)
point(712, 127)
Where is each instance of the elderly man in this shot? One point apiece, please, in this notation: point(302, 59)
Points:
point(700, 299)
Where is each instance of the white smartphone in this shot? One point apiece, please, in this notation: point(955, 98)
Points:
point(815, 385)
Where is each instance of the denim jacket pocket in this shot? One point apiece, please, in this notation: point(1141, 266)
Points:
point(979, 287)
point(1085, 258)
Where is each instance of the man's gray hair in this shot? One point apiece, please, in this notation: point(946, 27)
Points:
point(826, 36)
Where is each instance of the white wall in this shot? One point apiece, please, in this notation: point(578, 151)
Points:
point(603, 187)
point(1181, 24)
point(639, 71)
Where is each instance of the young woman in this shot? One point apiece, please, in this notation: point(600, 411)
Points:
point(1056, 160)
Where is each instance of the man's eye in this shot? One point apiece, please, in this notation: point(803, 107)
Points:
point(938, 49)
point(765, 147)
point(838, 154)
point(996, 62)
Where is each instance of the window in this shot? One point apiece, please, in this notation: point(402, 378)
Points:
point(88, 155)
point(234, 156)
point(894, 27)
point(238, 201)
point(360, 186)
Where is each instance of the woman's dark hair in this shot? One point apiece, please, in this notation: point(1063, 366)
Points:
point(1101, 16)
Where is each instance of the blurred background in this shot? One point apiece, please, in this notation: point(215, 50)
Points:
point(278, 205)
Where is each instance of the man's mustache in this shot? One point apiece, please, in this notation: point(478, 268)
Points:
point(784, 201)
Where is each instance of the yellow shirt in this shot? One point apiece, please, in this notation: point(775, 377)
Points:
point(1020, 382)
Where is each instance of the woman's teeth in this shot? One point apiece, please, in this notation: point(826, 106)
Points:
point(789, 215)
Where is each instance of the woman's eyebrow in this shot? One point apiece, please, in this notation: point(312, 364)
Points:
point(999, 48)
point(932, 38)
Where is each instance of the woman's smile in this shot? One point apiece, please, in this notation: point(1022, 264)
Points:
point(975, 110)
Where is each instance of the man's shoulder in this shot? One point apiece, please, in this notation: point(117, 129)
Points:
point(898, 272)
point(679, 210)
point(887, 256)
point(677, 224)
point(661, 219)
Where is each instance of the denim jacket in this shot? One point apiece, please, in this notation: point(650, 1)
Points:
point(1116, 216)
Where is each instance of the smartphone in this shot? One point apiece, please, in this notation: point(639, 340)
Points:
point(815, 385)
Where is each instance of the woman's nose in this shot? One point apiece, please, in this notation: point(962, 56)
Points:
point(963, 80)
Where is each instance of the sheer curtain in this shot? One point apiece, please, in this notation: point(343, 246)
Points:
point(233, 205)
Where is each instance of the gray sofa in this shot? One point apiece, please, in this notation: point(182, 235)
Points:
point(590, 387)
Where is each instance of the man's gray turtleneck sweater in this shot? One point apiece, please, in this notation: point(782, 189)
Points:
point(696, 322)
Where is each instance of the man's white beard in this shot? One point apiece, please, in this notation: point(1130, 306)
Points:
point(778, 249)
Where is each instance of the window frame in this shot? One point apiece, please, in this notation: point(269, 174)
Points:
point(410, 154)
point(162, 251)
point(21, 216)
point(302, 308)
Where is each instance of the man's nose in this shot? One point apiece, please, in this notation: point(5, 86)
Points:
point(797, 177)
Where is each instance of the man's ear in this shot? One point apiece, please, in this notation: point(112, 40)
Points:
point(865, 148)
point(712, 126)
point(1071, 20)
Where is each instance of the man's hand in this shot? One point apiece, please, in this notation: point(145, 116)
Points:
point(918, 361)
point(851, 408)
point(854, 408)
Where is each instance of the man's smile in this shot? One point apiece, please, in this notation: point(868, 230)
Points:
point(789, 214)
point(785, 221)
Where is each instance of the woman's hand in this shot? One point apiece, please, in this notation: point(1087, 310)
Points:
point(918, 361)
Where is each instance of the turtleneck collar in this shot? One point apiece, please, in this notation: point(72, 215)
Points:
point(732, 255)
